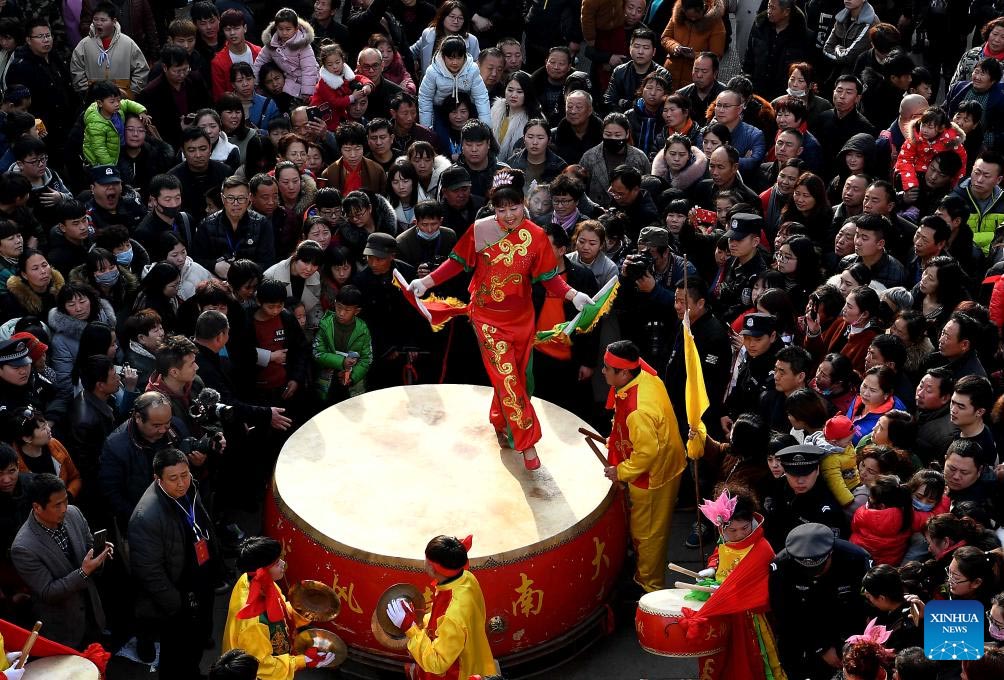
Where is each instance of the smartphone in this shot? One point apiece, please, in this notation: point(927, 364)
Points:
point(99, 541)
point(314, 113)
point(703, 216)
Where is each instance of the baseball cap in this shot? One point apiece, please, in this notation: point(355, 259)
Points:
point(654, 236)
point(105, 174)
point(838, 427)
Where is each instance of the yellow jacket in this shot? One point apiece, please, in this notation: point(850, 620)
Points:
point(645, 442)
point(3, 656)
point(453, 643)
point(254, 637)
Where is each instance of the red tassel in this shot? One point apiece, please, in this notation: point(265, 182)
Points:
point(97, 655)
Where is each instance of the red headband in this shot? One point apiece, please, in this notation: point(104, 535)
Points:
point(614, 361)
point(443, 571)
point(263, 597)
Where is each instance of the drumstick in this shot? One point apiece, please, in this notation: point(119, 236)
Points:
point(29, 643)
point(596, 450)
point(691, 586)
point(681, 570)
point(592, 435)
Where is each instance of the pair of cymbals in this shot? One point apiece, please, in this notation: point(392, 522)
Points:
point(383, 629)
point(315, 601)
point(324, 641)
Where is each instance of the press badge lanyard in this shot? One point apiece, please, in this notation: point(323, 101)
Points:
point(190, 516)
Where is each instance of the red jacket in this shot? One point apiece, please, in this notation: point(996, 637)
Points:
point(879, 532)
point(335, 90)
point(221, 69)
point(916, 154)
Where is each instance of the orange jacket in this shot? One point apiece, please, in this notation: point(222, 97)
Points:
point(601, 15)
point(706, 35)
point(66, 470)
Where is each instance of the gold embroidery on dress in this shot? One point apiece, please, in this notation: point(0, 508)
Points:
point(493, 289)
point(509, 250)
point(496, 350)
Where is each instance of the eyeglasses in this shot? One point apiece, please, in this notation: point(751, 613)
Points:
point(38, 161)
point(954, 579)
point(43, 37)
point(235, 200)
point(996, 622)
point(562, 201)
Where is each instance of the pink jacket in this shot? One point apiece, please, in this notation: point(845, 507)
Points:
point(295, 58)
point(398, 74)
point(916, 154)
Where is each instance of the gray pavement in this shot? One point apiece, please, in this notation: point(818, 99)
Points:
point(614, 657)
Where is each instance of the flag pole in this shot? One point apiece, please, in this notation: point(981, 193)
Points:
point(693, 463)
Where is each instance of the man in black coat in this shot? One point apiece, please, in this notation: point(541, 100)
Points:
point(174, 94)
point(843, 121)
point(778, 39)
point(580, 129)
point(200, 174)
point(234, 233)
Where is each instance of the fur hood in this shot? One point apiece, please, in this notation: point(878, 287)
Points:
point(303, 37)
point(714, 10)
point(62, 323)
point(335, 81)
point(384, 216)
point(29, 299)
point(691, 174)
point(952, 137)
point(307, 194)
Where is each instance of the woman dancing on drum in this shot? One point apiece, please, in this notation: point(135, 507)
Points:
point(508, 254)
point(260, 620)
point(452, 643)
point(741, 564)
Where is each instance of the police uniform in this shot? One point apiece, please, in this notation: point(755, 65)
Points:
point(736, 292)
point(754, 375)
point(815, 594)
point(715, 351)
point(789, 510)
point(38, 392)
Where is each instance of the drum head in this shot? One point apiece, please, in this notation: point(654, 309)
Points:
point(314, 601)
point(324, 641)
point(408, 592)
point(61, 668)
point(668, 601)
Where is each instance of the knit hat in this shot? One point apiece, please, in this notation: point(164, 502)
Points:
point(36, 348)
point(838, 427)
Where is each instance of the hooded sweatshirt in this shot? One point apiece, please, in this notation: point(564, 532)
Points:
point(439, 83)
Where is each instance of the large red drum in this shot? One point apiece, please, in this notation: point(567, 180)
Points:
point(361, 488)
point(657, 622)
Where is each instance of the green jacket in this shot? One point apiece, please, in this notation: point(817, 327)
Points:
point(101, 141)
point(331, 363)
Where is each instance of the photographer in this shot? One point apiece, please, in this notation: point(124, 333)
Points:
point(426, 244)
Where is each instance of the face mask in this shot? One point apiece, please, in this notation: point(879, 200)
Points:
point(614, 145)
point(996, 632)
point(169, 212)
point(827, 392)
point(923, 507)
point(426, 236)
point(124, 258)
point(798, 94)
point(107, 278)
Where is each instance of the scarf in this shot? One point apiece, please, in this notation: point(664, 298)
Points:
point(999, 56)
point(263, 597)
point(567, 224)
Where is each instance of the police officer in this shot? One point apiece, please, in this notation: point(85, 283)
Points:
point(745, 261)
point(754, 372)
point(22, 386)
point(815, 595)
point(804, 499)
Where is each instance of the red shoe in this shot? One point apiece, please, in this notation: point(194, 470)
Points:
point(530, 464)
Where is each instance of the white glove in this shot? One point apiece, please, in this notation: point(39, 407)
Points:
point(327, 658)
point(581, 300)
point(421, 286)
point(395, 608)
point(13, 673)
point(707, 573)
point(12, 658)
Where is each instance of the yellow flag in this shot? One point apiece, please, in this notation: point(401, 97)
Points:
point(696, 392)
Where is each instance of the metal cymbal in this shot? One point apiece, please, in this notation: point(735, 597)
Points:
point(405, 590)
point(324, 641)
point(314, 601)
point(394, 643)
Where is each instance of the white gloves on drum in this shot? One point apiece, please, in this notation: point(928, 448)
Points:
point(319, 659)
point(421, 286)
point(12, 657)
point(581, 300)
point(707, 573)
point(395, 609)
point(12, 673)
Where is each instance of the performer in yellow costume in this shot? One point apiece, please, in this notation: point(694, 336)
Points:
point(7, 661)
point(452, 644)
point(260, 620)
point(646, 451)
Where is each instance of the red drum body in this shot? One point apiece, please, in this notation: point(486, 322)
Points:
point(657, 622)
point(361, 488)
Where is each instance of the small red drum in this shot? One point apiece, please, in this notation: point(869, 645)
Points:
point(360, 489)
point(657, 623)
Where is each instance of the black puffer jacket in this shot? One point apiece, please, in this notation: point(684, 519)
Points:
point(215, 239)
point(770, 53)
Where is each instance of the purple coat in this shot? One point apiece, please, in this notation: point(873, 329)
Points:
point(295, 58)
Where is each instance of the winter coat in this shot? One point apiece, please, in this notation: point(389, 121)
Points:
point(514, 130)
point(215, 239)
point(694, 171)
point(865, 422)
point(397, 73)
point(101, 140)
point(625, 82)
point(706, 35)
point(295, 58)
point(192, 274)
point(220, 66)
point(53, 98)
point(338, 91)
point(66, 339)
point(423, 55)
point(769, 53)
point(645, 128)
point(599, 177)
point(964, 71)
point(983, 223)
point(311, 296)
point(120, 295)
point(331, 363)
point(849, 37)
point(554, 164)
point(880, 532)
point(600, 15)
point(373, 176)
point(61, 462)
point(21, 300)
point(122, 63)
point(916, 154)
point(158, 97)
point(439, 83)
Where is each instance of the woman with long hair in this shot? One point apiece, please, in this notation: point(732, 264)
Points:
point(260, 155)
point(300, 272)
point(452, 18)
point(942, 286)
point(496, 247)
point(402, 192)
point(159, 292)
point(511, 112)
point(796, 258)
point(680, 162)
point(713, 136)
point(220, 147)
point(809, 206)
point(875, 398)
point(233, 122)
point(76, 306)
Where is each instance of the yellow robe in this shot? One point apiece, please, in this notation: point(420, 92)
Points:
point(457, 645)
point(254, 637)
point(646, 447)
point(3, 656)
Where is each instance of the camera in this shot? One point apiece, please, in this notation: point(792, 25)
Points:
point(207, 410)
point(636, 265)
point(209, 443)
